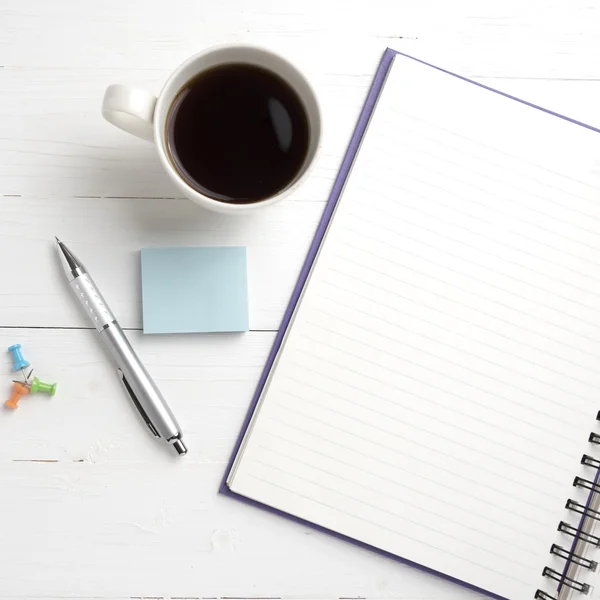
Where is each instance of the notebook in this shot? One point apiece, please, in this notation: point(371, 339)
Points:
point(434, 388)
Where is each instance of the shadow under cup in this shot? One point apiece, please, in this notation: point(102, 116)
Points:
point(239, 133)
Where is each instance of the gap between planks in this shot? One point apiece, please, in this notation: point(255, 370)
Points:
point(83, 328)
point(47, 460)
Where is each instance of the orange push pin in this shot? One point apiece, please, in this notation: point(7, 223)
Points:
point(20, 389)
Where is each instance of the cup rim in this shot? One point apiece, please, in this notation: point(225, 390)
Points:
point(195, 195)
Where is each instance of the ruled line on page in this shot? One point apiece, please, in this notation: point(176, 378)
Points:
point(589, 401)
point(465, 184)
point(498, 492)
point(503, 322)
point(402, 391)
point(446, 376)
point(455, 204)
point(422, 442)
point(423, 524)
point(348, 371)
point(404, 220)
point(433, 201)
point(531, 317)
point(437, 199)
point(479, 280)
point(353, 482)
point(518, 563)
point(402, 485)
point(515, 188)
point(354, 435)
point(415, 147)
point(355, 516)
point(440, 373)
point(494, 207)
point(492, 149)
point(397, 310)
point(531, 473)
point(397, 390)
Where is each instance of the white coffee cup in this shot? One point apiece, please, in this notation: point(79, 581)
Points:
point(144, 115)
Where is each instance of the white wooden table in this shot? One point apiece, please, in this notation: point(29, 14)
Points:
point(90, 505)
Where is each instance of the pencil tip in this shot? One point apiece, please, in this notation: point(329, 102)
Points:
point(57, 240)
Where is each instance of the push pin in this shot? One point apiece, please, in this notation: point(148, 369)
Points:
point(20, 389)
point(38, 387)
point(19, 363)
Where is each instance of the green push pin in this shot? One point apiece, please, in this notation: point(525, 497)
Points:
point(38, 386)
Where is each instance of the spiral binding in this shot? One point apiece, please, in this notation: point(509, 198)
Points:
point(579, 535)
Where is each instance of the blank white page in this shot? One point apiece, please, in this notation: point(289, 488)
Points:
point(440, 377)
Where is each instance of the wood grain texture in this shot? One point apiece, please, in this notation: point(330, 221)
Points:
point(92, 506)
point(277, 240)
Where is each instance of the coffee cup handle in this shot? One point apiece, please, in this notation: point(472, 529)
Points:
point(130, 109)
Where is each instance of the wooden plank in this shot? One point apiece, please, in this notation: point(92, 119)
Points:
point(94, 506)
point(208, 380)
point(108, 232)
point(54, 141)
point(118, 517)
point(107, 235)
point(509, 38)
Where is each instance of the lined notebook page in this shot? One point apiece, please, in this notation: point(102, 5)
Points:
point(439, 380)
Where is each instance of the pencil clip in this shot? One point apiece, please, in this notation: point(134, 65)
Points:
point(137, 404)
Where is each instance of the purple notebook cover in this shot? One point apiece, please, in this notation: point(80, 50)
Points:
point(351, 152)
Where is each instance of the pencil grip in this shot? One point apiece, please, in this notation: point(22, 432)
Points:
point(92, 302)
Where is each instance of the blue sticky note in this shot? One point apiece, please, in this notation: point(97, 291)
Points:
point(194, 289)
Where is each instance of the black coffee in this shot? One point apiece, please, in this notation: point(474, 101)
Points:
point(237, 133)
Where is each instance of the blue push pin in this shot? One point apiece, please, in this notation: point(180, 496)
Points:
point(19, 362)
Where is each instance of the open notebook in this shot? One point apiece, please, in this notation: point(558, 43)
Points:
point(437, 376)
